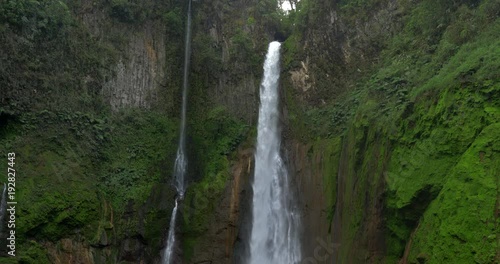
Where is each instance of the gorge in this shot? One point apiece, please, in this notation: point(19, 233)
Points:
point(275, 226)
point(383, 127)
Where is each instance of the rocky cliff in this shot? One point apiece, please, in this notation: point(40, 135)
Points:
point(140, 71)
point(79, 80)
point(388, 112)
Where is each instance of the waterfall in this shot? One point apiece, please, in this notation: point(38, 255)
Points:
point(274, 237)
point(169, 250)
point(3, 207)
point(180, 166)
point(181, 160)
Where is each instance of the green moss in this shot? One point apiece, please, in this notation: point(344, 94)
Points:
point(440, 124)
point(199, 205)
point(155, 224)
point(28, 252)
point(141, 143)
point(216, 139)
point(75, 176)
point(328, 150)
point(409, 130)
point(291, 51)
point(476, 60)
point(33, 253)
point(361, 180)
point(55, 188)
point(460, 224)
point(330, 120)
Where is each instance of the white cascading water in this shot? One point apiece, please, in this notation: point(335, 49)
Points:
point(169, 250)
point(274, 238)
point(180, 165)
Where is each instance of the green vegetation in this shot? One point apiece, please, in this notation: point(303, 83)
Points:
point(35, 253)
point(328, 151)
point(83, 172)
point(142, 146)
point(69, 162)
point(216, 138)
point(461, 224)
point(136, 12)
point(403, 124)
point(418, 127)
point(37, 37)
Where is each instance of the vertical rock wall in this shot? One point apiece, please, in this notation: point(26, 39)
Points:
point(218, 244)
point(140, 71)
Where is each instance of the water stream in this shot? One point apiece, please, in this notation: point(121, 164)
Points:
point(181, 160)
point(180, 166)
point(169, 249)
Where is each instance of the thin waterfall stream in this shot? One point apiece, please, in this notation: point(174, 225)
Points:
point(181, 160)
point(274, 237)
point(180, 166)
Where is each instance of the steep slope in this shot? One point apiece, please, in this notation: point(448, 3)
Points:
point(397, 135)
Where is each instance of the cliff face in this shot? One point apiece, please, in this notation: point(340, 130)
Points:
point(140, 71)
point(229, 43)
point(86, 107)
point(141, 74)
point(220, 240)
point(230, 39)
point(91, 100)
point(333, 43)
point(386, 116)
point(312, 166)
point(340, 48)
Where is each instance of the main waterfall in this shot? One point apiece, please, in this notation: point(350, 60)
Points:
point(274, 237)
point(180, 166)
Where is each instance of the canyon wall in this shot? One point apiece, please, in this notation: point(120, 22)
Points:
point(390, 113)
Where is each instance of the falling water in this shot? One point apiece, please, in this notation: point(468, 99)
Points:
point(169, 250)
point(3, 206)
point(180, 166)
point(274, 237)
point(181, 160)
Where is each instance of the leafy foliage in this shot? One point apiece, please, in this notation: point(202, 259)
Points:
point(76, 170)
point(141, 141)
point(73, 160)
point(36, 18)
point(174, 21)
point(421, 122)
point(35, 38)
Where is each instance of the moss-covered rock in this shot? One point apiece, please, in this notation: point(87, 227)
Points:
point(461, 224)
point(408, 125)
